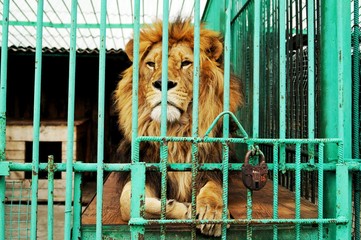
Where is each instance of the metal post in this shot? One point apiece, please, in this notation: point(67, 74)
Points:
point(3, 81)
point(196, 71)
point(101, 112)
point(77, 206)
point(163, 124)
point(50, 197)
point(137, 168)
point(70, 122)
point(256, 67)
point(282, 79)
point(335, 111)
point(36, 120)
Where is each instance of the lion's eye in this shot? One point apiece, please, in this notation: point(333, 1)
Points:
point(186, 63)
point(151, 64)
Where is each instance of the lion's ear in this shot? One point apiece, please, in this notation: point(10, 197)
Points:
point(215, 49)
point(144, 47)
point(129, 49)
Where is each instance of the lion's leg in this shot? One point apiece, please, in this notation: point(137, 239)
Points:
point(174, 209)
point(209, 206)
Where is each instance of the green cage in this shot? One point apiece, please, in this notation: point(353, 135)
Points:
point(297, 60)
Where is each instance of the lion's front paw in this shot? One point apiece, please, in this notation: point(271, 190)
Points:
point(177, 210)
point(209, 211)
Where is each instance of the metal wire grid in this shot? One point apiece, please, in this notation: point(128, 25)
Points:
point(17, 210)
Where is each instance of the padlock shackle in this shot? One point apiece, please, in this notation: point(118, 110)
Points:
point(252, 153)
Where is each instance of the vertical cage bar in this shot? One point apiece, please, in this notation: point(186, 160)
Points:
point(3, 78)
point(227, 68)
point(345, 106)
point(298, 190)
point(136, 32)
point(320, 189)
point(282, 77)
point(275, 189)
point(344, 75)
point(3, 83)
point(36, 119)
point(138, 191)
point(196, 71)
point(101, 112)
point(225, 190)
point(137, 169)
point(328, 81)
point(163, 124)
point(356, 115)
point(343, 198)
point(311, 74)
point(77, 205)
point(50, 197)
point(249, 214)
point(256, 67)
point(70, 122)
point(226, 103)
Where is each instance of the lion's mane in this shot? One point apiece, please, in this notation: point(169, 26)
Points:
point(181, 33)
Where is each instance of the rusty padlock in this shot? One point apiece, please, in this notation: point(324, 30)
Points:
point(254, 177)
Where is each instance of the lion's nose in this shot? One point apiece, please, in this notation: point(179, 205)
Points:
point(158, 84)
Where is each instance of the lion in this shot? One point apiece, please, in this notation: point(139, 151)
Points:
point(179, 119)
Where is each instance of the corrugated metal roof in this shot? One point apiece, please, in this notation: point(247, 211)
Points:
point(57, 18)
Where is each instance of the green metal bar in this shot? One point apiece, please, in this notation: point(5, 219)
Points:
point(226, 106)
point(329, 82)
point(249, 214)
point(282, 78)
point(356, 115)
point(234, 118)
point(118, 167)
point(275, 189)
point(256, 67)
point(342, 201)
point(3, 86)
point(163, 124)
point(70, 122)
point(50, 197)
point(320, 188)
point(138, 181)
point(76, 234)
point(239, 140)
point(298, 190)
point(225, 189)
point(344, 111)
point(101, 114)
point(135, 83)
point(227, 68)
point(196, 71)
point(304, 221)
point(311, 75)
point(137, 174)
point(36, 120)
point(3, 78)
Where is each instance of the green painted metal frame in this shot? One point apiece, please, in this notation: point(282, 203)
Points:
point(334, 149)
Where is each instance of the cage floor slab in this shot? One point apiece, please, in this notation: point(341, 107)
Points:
point(262, 203)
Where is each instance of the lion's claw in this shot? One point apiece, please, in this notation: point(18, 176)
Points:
point(207, 212)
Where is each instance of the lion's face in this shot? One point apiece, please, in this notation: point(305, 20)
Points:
point(179, 83)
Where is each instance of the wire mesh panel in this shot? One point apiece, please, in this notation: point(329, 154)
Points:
point(17, 210)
